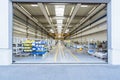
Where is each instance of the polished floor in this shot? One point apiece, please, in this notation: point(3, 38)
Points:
point(59, 72)
point(61, 54)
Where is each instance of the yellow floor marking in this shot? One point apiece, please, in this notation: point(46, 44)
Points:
point(63, 52)
point(74, 56)
point(55, 57)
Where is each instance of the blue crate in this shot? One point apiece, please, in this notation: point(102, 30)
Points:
point(38, 53)
point(91, 51)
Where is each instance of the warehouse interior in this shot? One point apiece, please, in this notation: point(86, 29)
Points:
point(60, 33)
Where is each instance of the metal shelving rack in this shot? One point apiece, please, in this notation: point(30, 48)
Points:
point(17, 48)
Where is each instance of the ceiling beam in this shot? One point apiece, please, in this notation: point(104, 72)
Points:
point(55, 25)
point(26, 13)
point(53, 16)
point(88, 17)
point(72, 16)
point(41, 6)
point(46, 24)
point(98, 21)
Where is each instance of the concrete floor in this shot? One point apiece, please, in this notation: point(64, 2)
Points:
point(60, 54)
point(59, 72)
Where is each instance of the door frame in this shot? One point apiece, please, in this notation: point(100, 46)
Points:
point(108, 2)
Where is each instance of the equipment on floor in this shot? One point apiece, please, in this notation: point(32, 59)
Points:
point(91, 51)
point(81, 49)
point(101, 55)
point(98, 49)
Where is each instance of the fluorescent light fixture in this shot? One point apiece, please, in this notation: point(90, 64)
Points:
point(34, 5)
point(72, 10)
point(59, 10)
point(67, 31)
point(82, 19)
point(25, 10)
point(92, 10)
point(68, 19)
point(51, 31)
point(59, 36)
point(59, 30)
point(84, 5)
point(35, 19)
point(47, 10)
point(59, 17)
point(50, 19)
point(59, 26)
point(59, 21)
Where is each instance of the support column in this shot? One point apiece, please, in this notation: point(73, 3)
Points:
point(27, 34)
point(5, 32)
point(36, 32)
point(115, 32)
point(27, 28)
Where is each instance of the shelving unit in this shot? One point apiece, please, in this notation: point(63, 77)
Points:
point(17, 48)
point(27, 47)
point(39, 47)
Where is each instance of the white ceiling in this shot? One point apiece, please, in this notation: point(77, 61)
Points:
point(38, 14)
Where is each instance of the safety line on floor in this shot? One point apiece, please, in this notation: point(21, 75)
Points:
point(63, 53)
point(55, 57)
point(74, 56)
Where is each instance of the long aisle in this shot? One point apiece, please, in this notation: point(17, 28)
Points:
point(64, 55)
point(61, 54)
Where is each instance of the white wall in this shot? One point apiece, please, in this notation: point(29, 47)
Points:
point(101, 36)
point(4, 37)
point(19, 30)
point(96, 33)
point(5, 27)
point(115, 32)
point(5, 32)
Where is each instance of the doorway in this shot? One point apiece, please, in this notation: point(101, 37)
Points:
point(82, 42)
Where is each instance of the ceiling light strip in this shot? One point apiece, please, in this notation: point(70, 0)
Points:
point(73, 15)
point(59, 11)
point(72, 10)
point(25, 12)
point(47, 10)
point(92, 10)
point(45, 14)
point(91, 14)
